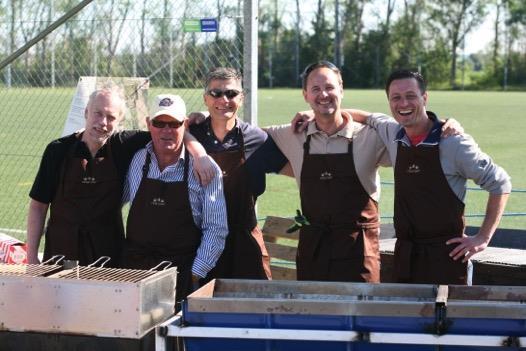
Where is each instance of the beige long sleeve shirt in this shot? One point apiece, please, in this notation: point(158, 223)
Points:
point(369, 151)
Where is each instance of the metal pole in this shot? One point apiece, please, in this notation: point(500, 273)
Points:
point(171, 68)
point(52, 41)
point(44, 33)
point(297, 45)
point(337, 38)
point(250, 61)
point(463, 61)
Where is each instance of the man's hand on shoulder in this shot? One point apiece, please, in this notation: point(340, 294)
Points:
point(204, 169)
point(451, 127)
point(301, 120)
point(197, 117)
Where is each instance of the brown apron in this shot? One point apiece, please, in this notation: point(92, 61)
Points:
point(85, 214)
point(242, 257)
point(161, 227)
point(341, 242)
point(427, 213)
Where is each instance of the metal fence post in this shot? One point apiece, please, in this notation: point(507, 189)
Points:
point(250, 61)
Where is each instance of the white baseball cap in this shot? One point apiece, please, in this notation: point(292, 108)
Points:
point(168, 105)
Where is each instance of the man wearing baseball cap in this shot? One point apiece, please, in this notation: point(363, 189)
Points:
point(172, 216)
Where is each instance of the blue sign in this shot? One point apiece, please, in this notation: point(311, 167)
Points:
point(208, 25)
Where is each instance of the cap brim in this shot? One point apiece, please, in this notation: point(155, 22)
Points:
point(169, 114)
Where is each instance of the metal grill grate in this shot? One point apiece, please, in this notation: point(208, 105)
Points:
point(106, 274)
point(29, 270)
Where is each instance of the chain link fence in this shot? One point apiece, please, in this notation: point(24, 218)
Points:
point(107, 38)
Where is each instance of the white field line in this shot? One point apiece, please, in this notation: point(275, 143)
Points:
point(20, 231)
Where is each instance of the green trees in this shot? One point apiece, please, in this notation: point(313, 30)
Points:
point(378, 36)
point(367, 38)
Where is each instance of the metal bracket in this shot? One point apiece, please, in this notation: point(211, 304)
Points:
point(512, 341)
point(102, 260)
point(441, 323)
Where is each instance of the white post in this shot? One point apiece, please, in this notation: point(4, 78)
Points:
point(250, 61)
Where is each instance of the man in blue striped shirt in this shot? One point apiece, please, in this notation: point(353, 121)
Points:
point(172, 216)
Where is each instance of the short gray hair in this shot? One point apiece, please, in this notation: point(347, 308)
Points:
point(113, 90)
point(223, 73)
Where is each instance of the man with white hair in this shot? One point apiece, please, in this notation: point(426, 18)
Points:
point(172, 216)
point(80, 182)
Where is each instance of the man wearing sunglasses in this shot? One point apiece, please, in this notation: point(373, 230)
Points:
point(80, 182)
point(231, 143)
point(172, 216)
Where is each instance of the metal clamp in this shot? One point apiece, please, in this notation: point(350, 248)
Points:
point(100, 261)
point(167, 265)
point(441, 323)
point(54, 260)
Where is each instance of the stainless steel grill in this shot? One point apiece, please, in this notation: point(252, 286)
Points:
point(29, 270)
point(105, 274)
point(108, 302)
point(32, 270)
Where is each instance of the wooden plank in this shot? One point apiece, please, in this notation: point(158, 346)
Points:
point(282, 252)
point(277, 227)
point(283, 273)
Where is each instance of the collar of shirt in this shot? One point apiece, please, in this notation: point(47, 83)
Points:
point(155, 171)
point(346, 131)
point(433, 138)
point(82, 150)
point(231, 138)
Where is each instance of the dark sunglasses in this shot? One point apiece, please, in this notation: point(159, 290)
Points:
point(218, 93)
point(161, 124)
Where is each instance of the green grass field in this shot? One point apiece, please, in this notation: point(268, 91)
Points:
point(30, 118)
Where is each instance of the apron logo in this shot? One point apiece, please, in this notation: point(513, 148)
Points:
point(158, 202)
point(483, 163)
point(413, 169)
point(89, 180)
point(326, 176)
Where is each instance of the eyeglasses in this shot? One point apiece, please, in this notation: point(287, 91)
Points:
point(161, 124)
point(218, 93)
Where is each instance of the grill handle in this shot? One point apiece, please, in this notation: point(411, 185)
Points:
point(101, 261)
point(166, 264)
point(53, 260)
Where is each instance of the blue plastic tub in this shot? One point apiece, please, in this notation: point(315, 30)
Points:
point(358, 307)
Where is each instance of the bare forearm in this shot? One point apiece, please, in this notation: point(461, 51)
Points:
point(359, 116)
point(494, 210)
point(35, 226)
point(287, 170)
point(194, 147)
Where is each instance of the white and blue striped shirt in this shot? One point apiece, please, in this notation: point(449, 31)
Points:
point(207, 202)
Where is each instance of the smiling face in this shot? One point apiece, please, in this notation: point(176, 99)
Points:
point(407, 102)
point(223, 108)
point(166, 140)
point(103, 115)
point(323, 92)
